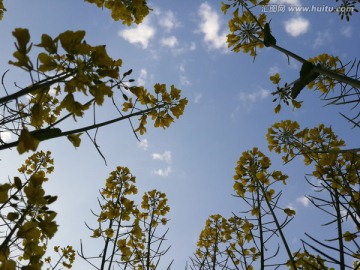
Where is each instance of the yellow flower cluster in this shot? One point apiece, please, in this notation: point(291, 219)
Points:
point(124, 10)
point(224, 240)
point(30, 222)
point(81, 69)
point(156, 203)
point(324, 83)
point(251, 173)
point(162, 108)
point(119, 184)
point(279, 136)
point(304, 260)
point(283, 94)
point(66, 254)
point(131, 228)
point(286, 137)
point(246, 32)
point(337, 170)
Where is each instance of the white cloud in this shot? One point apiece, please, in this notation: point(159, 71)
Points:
point(273, 70)
point(197, 98)
point(186, 48)
point(322, 38)
point(143, 144)
point(169, 41)
point(5, 136)
point(182, 68)
point(140, 34)
point(210, 27)
point(142, 77)
point(346, 31)
point(297, 26)
point(166, 156)
point(184, 80)
point(288, 2)
point(254, 96)
point(168, 21)
point(248, 99)
point(163, 172)
point(304, 201)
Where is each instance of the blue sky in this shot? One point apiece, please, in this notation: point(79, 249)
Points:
point(230, 108)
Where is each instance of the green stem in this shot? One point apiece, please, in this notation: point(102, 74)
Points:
point(330, 151)
point(329, 73)
point(14, 229)
point(262, 244)
point(339, 228)
point(282, 236)
point(54, 267)
point(149, 242)
point(326, 72)
point(213, 259)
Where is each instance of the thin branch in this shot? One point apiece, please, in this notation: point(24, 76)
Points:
point(39, 85)
point(86, 128)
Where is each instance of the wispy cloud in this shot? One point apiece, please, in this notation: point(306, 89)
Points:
point(163, 172)
point(304, 201)
point(170, 42)
point(286, 2)
point(297, 26)
point(346, 31)
point(273, 70)
point(322, 38)
point(184, 80)
point(142, 77)
point(248, 99)
point(168, 21)
point(182, 68)
point(197, 97)
point(210, 27)
point(192, 46)
point(254, 96)
point(166, 156)
point(143, 144)
point(140, 34)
